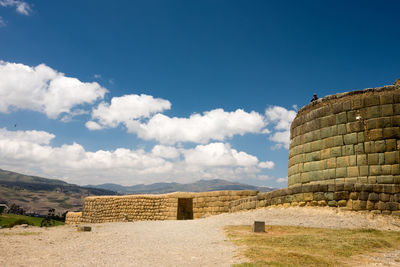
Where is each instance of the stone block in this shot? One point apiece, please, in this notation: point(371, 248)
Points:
point(341, 129)
point(370, 205)
point(316, 145)
point(390, 144)
point(353, 195)
point(347, 105)
point(336, 151)
point(342, 203)
point(396, 109)
point(384, 197)
point(396, 120)
point(392, 206)
point(373, 112)
point(341, 118)
point(364, 170)
point(362, 160)
point(391, 132)
point(259, 226)
point(357, 103)
point(353, 171)
point(337, 107)
point(375, 134)
point(371, 101)
point(342, 161)
point(392, 157)
point(387, 110)
point(386, 169)
point(359, 148)
point(380, 146)
point(373, 159)
point(386, 99)
point(396, 169)
point(341, 195)
point(347, 150)
point(308, 196)
point(385, 179)
point(349, 139)
point(341, 172)
point(84, 228)
point(332, 203)
point(329, 196)
point(375, 170)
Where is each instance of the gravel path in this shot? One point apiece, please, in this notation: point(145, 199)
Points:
point(162, 243)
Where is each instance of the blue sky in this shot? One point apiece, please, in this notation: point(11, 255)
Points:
point(157, 91)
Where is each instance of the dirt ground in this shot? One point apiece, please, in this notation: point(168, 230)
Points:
point(199, 242)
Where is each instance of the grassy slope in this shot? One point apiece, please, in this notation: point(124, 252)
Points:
point(6, 219)
point(300, 246)
point(38, 195)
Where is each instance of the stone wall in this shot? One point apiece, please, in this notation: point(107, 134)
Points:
point(377, 198)
point(347, 138)
point(73, 218)
point(344, 152)
point(99, 209)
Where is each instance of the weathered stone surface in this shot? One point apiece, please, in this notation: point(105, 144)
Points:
point(259, 226)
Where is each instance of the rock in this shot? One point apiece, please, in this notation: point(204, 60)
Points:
point(84, 228)
point(259, 226)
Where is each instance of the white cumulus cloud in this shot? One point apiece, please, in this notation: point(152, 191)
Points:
point(216, 124)
point(21, 7)
point(127, 108)
point(281, 118)
point(218, 154)
point(43, 89)
point(31, 152)
point(282, 180)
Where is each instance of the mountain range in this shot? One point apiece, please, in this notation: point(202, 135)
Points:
point(162, 188)
point(37, 194)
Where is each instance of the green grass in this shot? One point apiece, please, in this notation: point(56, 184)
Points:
point(300, 246)
point(7, 220)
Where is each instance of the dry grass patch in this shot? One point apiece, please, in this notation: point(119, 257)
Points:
point(300, 246)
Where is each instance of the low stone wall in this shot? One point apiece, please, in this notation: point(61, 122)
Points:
point(99, 209)
point(73, 218)
point(377, 198)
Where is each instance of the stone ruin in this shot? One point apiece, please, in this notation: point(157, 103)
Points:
point(344, 152)
point(173, 206)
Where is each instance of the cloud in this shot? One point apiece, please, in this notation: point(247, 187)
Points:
point(218, 154)
point(43, 89)
point(97, 76)
point(31, 152)
point(281, 118)
point(69, 117)
point(127, 108)
point(282, 180)
point(91, 125)
point(2, 22)
point(266, 165)
point(216, 124)
point(168, 152)
point(20, 6)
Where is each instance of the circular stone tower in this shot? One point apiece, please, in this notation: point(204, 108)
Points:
point(347, 138)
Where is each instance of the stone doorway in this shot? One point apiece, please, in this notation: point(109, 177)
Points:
point(185, 209)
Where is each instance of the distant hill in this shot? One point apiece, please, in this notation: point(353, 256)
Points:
point(38, 195)
point(162, 188)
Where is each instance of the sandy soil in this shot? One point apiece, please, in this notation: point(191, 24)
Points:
point(199, 242)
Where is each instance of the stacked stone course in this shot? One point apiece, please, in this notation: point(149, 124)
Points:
point(99, 209)
point(344, 152)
